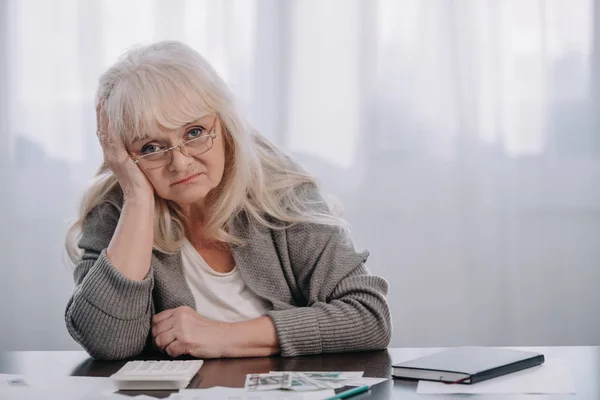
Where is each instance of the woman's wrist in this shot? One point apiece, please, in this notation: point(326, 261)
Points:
point(229, 341)
point(253, 338)
point(138, 198)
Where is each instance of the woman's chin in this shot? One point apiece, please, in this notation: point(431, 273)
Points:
point(190, 196)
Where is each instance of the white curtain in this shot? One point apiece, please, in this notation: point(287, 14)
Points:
point(460, 136)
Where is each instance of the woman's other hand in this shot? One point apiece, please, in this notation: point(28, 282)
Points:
point(182, 331)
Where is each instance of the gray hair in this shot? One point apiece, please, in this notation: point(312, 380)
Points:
point(168, 84)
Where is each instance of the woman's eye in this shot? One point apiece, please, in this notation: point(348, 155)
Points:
point(150, 148)
point(194, 133)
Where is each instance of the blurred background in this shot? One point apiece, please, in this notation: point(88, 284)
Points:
point(462, 137)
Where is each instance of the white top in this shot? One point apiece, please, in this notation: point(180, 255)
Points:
point(219, 296)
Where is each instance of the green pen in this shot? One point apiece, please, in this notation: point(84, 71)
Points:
point(350, 392)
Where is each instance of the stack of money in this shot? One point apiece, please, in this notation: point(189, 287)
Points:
point(299, 381)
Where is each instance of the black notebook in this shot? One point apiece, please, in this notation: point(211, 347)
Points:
point(467, 364)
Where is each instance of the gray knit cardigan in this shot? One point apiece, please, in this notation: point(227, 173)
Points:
point(324, 299)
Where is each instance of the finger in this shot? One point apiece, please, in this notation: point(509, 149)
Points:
point(101, 119)
point(162, 326)
point(101, 137)
point(103, 143)
point(98, 112)
point(101, 124)
point(164, 340)
point(162, 316)
point(175, 349)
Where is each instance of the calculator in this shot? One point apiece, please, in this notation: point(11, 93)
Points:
point(156, 375)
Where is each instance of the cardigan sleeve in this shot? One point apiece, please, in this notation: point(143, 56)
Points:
point(109, 315)
point(346, 305)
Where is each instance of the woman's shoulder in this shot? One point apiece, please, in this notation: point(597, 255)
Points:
point(309, 196)
point(304, 204)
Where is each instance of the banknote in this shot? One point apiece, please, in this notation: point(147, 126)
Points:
point(269, 381)
point(302, 383)
point(313, 380)
point(330, 375)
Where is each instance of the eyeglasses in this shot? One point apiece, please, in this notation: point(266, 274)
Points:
point(190, 148)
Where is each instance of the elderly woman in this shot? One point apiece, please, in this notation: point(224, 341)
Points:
point(200, 237)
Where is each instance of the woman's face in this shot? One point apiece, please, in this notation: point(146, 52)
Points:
point(181, 175)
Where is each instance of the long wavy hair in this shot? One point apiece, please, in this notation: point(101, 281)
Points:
point(168, 84)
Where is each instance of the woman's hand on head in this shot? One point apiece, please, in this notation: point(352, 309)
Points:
point(182, 331)
point(132, 179)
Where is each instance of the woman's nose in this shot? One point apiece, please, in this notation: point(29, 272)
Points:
point(179, 158)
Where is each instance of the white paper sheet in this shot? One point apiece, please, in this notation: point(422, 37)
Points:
point(364, 381)
point(10, 381)
point(52, 387)
point(327, 374)
point(225, 393)
point(552, 377)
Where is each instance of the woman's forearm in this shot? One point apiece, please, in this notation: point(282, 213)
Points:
point(130, 249)
point(253, 338)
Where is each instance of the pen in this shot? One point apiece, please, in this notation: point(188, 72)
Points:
point(348, 393)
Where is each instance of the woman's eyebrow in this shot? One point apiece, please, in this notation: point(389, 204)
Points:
point(194, 122)
point(149, 138)
point(158, 138)
point(142, 140)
